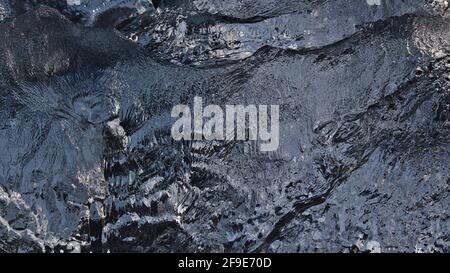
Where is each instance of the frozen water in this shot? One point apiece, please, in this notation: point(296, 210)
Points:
point(88, 164)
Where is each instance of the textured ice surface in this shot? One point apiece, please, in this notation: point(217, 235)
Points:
point(88, 164)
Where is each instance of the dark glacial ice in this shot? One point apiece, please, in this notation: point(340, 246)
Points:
point(87, 162)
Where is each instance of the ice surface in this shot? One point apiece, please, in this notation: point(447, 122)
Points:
point(88, 164)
